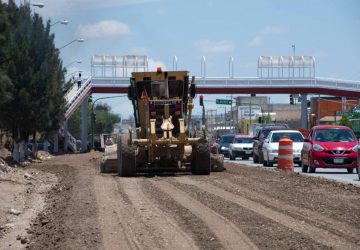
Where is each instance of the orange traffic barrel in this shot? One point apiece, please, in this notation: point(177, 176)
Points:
point(285, 157)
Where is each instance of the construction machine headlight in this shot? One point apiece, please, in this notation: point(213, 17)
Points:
point(317, 147)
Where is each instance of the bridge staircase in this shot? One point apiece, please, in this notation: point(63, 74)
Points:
point(74, 98)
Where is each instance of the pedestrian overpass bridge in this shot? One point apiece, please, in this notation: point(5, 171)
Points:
point(283, 75)
point(222, 85)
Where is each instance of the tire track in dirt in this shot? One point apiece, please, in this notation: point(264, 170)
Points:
point(337, 227)
point(193, 225)
point(229, 235)
point(173, 237)
point(317, 234)
point(112, 222)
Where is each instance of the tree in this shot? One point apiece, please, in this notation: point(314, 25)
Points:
point(344, 121)
point(5, 81)
point(34, 74)
point(105, 120)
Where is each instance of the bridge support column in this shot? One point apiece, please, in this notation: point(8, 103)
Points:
point(66, 136)
point(56, 142)
point(84, 132)
point(304, 112)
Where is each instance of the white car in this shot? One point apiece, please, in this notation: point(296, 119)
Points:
point(241, 146)
point(271, 146)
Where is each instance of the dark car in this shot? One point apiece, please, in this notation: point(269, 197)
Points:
point(224, 143)
point(258, 156)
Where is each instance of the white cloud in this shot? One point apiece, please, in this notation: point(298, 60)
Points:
point(153, 64)
point(103, 29)
point(268, 30)
point(207, 46)
point(256, 41)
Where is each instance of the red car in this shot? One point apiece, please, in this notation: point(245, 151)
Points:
point(213, 147)
point(329, 146)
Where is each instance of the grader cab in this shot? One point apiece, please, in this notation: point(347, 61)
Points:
point(163, 139)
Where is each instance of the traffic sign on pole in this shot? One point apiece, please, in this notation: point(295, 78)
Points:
point(224, 101)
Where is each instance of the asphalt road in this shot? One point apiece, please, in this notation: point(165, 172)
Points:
point(333, 173)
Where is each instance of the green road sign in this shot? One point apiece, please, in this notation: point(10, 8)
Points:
point(224, 101)
point(342, 112)
point(347, 113)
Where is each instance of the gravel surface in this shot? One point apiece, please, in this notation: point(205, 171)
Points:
point(241, 208)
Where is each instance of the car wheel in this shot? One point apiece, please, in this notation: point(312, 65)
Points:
point(261, 158)
point(311, 168)
point(304, 168)
point(350, 170)
point(255, 158)
point(270, 163)
point(265, 163)
point(231, 156)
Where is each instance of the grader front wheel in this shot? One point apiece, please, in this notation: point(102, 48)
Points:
point(201, 164)
point(126, 157)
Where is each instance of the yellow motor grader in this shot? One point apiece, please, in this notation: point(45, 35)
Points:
point(163, 138)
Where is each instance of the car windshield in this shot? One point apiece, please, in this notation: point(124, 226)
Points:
point(334, 135)
point(295, 137)
point(227, 139)
point(243, 140)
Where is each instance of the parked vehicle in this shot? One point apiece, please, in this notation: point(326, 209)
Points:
point(224, 143)
point(241, 146)
point(329, 146)
point(259, 140)
point(213, 147)
point(271, 146)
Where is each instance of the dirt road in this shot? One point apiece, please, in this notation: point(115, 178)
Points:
point(242, 208)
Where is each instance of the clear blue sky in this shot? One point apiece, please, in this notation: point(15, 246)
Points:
point(160, 29)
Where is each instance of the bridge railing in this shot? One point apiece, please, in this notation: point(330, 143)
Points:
point(255, 82)
point(77, 97)
point(74, 97)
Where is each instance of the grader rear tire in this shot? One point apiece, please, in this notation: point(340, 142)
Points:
point(126, 157)
point(201, 163)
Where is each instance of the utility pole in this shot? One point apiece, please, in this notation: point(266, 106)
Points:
point(93, 115)
point(293, 47)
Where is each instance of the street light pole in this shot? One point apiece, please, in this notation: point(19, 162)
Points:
point(293, 47)
point(92, 115)
point(39, 5)
point(64, 22)
point(80, 40)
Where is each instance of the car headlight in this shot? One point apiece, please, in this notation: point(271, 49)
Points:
point(317, 147)
point(274, 151)
point(224, 148)
point(356, 148)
